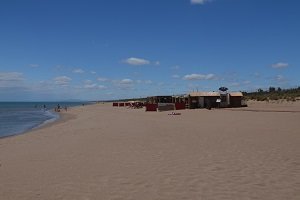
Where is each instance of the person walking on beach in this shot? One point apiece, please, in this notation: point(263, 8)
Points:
point(58, 108)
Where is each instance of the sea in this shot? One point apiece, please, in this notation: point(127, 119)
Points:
point(20, 117)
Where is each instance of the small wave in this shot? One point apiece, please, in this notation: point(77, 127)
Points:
point(53, 118)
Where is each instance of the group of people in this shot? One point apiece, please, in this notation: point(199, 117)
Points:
point(58, 108)
point(44, 107)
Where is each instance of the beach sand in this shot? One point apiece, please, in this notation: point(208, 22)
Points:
point(103, 152)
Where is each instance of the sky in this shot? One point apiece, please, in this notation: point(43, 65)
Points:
point(53, 50)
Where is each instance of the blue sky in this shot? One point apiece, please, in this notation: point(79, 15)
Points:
point(100, 50)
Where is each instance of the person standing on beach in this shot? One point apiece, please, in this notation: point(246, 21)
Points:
point(58, 108)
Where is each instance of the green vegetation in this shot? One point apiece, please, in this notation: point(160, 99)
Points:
point(126, 100)
point(273, 94)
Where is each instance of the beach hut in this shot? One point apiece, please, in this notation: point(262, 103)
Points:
point(235, 99)
point(214, 99)
point(203, 99)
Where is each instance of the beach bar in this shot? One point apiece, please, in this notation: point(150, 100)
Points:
point(194, 100)
point(214, 100)
point(235, 99)
point(203, 99)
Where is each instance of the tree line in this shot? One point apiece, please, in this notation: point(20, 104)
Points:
point(273, 93)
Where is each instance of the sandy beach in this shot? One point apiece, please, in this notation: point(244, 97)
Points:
point(103, 152)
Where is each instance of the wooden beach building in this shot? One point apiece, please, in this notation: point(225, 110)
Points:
point(214, 100)
point(236, 99)
point(194, 100)
point(203, 99)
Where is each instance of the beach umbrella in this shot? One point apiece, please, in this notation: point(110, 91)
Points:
point(223, 89)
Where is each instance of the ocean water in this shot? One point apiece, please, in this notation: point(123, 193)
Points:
point(19, 117)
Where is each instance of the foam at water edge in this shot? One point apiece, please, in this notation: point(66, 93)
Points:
point(53, 118)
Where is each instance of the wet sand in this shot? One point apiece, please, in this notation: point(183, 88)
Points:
point(102, 152)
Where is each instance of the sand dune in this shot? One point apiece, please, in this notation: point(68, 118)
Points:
point(101, 152)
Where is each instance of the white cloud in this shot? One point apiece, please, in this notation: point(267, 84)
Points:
point(93, 72)
point(156, 63)
point(239, 84)
point(199, 77)
point(200, 2)
point(256, 75)
point(280, 78)
point(136, 61)
point(11, 80)
point(176, 67)
point(11, 76)
point(94, 86)
point(126, 81)
point(78, 71)
point(280, 65)
point(101, 87)
point(34, 65)
point(62, 80)
point(88, 81)
point(101, 79)
point(175, 76)
point(235, 84)
point(144, 81)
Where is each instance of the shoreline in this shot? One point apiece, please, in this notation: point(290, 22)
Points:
point(44, 124)
point(64, 116)
point(61, 117)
